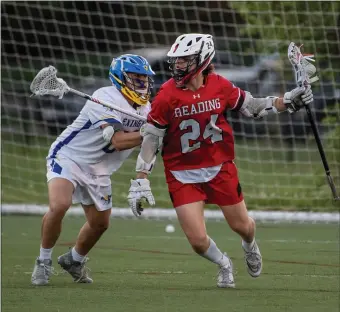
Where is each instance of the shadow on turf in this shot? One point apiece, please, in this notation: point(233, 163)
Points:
point(189, 254)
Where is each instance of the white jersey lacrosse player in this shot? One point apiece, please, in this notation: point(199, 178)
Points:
point(82, 159)
point(81, 154)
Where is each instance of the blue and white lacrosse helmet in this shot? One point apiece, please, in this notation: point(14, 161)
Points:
point(125, 72)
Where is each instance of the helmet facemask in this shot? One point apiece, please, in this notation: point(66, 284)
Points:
point(180, 73)
point(200, 47)
point(138, 89)
point(182, 77)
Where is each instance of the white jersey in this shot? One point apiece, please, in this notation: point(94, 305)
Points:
point(82, 141)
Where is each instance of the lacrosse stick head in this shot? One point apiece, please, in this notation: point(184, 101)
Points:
point(47, 83)
point(302, 65)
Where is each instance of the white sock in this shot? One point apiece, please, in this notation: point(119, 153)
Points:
point(215, 255)
point(76, 256)
point(45, 253)
point(248, 246)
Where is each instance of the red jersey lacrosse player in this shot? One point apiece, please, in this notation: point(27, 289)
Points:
point(188, 116)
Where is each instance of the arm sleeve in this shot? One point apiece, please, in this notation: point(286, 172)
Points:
point(235, 96)
point(100, 115)
point(147, 155)
point(159, 115)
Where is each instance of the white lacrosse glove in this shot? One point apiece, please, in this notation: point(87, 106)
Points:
point(307, 98)
point(297, 98)
point(139, 189)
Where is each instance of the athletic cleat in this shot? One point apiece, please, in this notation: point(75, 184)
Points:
point(76, 269)
point(225, 277)
point(253, 260)
point(41, 272)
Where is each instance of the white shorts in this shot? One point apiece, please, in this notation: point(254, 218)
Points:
point(89, 189)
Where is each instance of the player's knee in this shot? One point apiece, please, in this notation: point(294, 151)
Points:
point(240, 226)
point(251, 223)
point(100, 226)
point(59, 207)
point(199, 243)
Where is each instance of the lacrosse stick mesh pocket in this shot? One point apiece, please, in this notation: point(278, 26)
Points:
point(47, 83)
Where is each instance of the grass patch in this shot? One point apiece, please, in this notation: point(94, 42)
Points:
point(138, 267)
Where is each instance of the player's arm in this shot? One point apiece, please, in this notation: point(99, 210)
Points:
point(153, 133)
point(119, 139)
point(291, 101)
point(110, 122)
point(249, 106)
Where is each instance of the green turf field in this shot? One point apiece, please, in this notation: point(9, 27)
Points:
point(139, 267)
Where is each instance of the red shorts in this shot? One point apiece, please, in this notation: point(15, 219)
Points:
point(223, 190)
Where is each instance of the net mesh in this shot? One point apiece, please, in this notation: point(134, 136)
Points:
point(279, 164)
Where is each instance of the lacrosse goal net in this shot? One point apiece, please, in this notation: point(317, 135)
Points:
point(278, 161)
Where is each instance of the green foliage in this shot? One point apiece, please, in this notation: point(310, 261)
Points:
point(272, 25)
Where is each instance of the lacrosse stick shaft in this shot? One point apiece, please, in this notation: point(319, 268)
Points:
point(47, 83)
point(111, 106)
point(322, 152)
point(304, 71)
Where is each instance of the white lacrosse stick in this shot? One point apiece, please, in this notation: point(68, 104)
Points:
point(304, 71)
point(303, 68)
point(46, 82)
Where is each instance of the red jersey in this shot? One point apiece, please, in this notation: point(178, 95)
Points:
point(198, 134)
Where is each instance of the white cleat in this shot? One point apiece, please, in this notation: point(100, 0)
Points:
point(253, 261)
point(77, 270)
point(225, 277)
point(41, 272)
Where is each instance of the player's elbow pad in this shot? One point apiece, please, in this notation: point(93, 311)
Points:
point(108, 133)
point(149, 128)
point(258, 107)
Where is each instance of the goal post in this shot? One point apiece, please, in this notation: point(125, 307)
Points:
point(278, 160)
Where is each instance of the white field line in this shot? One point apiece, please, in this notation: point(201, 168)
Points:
point(305, 275)
point(158, 213)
